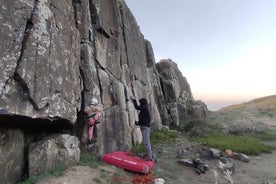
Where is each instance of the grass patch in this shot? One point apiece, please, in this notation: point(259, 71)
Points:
point(156, 137)
point(268, 135)
point(89, 159)
point(199, 128)
point(243, 144)
point(56, 171)
point(138, 148)
point(97, 180)
point(163, 135)
point(183, 121)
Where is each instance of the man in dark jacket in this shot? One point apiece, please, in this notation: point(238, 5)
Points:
point(144, 123)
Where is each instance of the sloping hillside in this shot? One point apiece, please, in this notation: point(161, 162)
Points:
point(260, 103)
point(254, 115)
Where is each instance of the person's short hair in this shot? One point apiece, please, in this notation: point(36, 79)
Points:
point(143, 101)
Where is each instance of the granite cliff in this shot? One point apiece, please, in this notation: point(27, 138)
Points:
point(54, 57)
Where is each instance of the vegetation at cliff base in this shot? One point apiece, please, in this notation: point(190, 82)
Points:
point(268, 135)
point(243, 144)
point(89, 159)
point(156, 137)
point(57, 170)
point(163, 136)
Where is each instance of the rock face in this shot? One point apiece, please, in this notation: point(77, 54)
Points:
point(40, 59)
point(56, 55)
point(12, 155)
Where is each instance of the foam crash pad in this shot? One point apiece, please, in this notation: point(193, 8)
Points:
point(128, 161)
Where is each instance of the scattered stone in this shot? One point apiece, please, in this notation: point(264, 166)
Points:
point(166, 127)
point(182, 153)
point(186, 162)
point(241, 156)
point(229, 153)
point(215, 152)
point(159, 181)
point(226, 164)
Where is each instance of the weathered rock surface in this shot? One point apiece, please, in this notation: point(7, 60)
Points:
point(40, 59)
point(47, 153)
point(56, 55)
point(12, 155)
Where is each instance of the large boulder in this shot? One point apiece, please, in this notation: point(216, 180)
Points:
point(44, 155)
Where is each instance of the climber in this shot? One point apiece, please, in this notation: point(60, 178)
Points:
point(94, 114)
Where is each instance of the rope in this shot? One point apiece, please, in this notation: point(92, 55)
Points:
point(143, 179)
point(136, 179)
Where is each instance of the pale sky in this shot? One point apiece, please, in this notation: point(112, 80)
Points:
point(225, 48)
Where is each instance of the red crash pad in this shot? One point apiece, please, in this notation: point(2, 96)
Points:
point(128, 161)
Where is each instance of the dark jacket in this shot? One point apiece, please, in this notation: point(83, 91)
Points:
point(144, 115)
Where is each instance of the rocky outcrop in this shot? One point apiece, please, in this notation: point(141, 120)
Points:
point(56, 55)
point(178, 99)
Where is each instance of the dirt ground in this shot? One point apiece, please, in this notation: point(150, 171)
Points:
point(82, 175)
point(260, 170)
